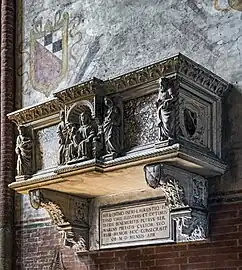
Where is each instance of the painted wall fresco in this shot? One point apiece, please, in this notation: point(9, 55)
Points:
point(61, 43)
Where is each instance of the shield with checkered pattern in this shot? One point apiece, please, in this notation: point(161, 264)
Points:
point(49, 55)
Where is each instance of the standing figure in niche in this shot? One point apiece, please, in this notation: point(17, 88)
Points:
point(111, 127)
point(166, 111)
point(71, 142)
point(86, 136)
point(62, 133)
point(23, 150)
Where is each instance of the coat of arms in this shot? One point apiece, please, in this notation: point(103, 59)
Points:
point(49, 53)
point(154, 174)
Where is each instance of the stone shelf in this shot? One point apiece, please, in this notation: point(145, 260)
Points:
point(94, 178)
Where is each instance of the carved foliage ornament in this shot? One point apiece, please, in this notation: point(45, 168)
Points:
point(201, 76)
point(155, 177)
point(74, 237)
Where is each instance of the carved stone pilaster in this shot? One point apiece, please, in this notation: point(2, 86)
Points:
point(69, 213)
point(186, 196)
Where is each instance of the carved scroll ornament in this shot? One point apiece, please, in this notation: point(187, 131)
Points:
point(74, 228)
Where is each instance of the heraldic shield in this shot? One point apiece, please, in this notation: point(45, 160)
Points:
point(49, 53)
point(154, 174)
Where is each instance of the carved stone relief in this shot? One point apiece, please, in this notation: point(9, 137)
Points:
point(112, 127)
point(199, 193)
point(84, 134)
point(78, 139)
point(68, 213)
point(187, 210)
point(166, 109)
point(140, 126)
point(191, 228)
point(174, 192)
point(194, 121)
point(24, 150)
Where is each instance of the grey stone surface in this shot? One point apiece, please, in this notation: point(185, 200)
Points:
point(47, 151)
point(139, 121)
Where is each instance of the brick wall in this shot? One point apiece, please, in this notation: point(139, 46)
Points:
point(36, 247)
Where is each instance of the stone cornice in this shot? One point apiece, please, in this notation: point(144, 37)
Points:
point(36, 112)
point(177, 65)
point(79, 91)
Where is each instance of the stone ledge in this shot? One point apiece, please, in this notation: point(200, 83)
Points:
point(95, 178)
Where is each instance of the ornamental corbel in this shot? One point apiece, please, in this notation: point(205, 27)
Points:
point(174, 192)
point(69, 213)
point(186, 197)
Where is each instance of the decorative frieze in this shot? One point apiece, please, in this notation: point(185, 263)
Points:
point(80, 91)
point(34, 113)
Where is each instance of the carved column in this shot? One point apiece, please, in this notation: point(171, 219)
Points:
point(186, 197)
point(6, 139)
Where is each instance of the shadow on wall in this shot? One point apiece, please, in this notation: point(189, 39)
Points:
point(231, 143)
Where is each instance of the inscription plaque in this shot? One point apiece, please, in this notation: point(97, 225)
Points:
point(135, 224)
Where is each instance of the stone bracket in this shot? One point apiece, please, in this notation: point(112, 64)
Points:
point(69, 213)
point(186, 197)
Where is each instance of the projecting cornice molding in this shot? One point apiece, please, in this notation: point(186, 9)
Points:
point(178, 65)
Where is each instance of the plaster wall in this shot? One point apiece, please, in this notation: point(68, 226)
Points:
point(111, 37)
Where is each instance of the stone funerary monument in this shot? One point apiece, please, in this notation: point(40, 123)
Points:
point(126, 161)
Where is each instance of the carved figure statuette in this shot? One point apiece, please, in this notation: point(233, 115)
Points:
point(23, 150)
point(61, 132)
point(77, 140)
point(86, 136)
point(166, 110)
point(111, 127)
